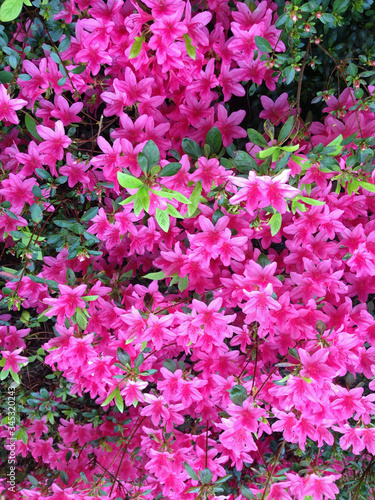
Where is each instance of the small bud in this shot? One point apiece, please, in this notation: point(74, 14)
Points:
point(317, 41)
point(318, 15)
point(294, 16)
point(320, 327)
point(307, 27)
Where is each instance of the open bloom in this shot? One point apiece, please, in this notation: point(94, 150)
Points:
point(259, 304)
point(8, 106)
point(275, 190)
point(67, 302)
point(13, 359)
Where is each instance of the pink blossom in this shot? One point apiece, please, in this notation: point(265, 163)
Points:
point(8, 106)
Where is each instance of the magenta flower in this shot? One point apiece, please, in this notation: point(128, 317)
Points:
point(259, 304)
point(228, 126)
point(55, 141)
point(18, 191)
point(13, 359)
point(314, 365)
point(67, 302)
point(8, 106)
point(275, 190)
point(322, 486)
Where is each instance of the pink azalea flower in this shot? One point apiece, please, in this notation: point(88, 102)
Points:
point(322, 487)
point(55, 141)
point(8, 106)
point(65, 305)
point(13, 359)
point(314, 365)
point(275, 190)
point(18, 191)
point(228, 126)
point(259, 304)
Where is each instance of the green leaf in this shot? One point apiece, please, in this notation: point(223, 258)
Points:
point(263, 260)
point(244, 162)
point(328, 19)
point(90, 298)
point(32, 480)
point(367, 186)
point(180, 197)
point(109, 398)
point(119, 400)
point(191, 472)
point(262, 44)
point(174, 212)
point(206, 476)
point(246, 492)
point(21, 435)
point(218, 214)
point(139, 360)
point(143, 163)
point(144, 198)
point(136, 47)
point(214, 140)
point(190, 49)
point(268, 152)
point(195, 198)
point(81, 318)
point(289, 74)
point(128, 200)
point(65, 43)
point(31, 127)
point(352, 69)
point(336, 144)
point(162, 218)
point(238, 394)
point(90, 214)
point(340, 6)
point(36, 213)
point(170, 169)
point(37, 192)
point(64, 477)
point(286, 129)
point(5, 77)
point(84, 477)
point(183, 283)
point(11, 214)
point(10, 10)
point(43, 173)
point(257, 138)
point(78, 70)
point(123, 357)
point(311, 201)
point(191, 148)
point(16, 378)
point(128, 181)
point(151, 152)
point(70, 277)
point(275, 223)
point(155, 276)
point(223, 479)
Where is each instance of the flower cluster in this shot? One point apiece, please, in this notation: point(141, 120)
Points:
point(201, 316)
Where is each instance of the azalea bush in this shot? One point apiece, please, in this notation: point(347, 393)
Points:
point(187, 249)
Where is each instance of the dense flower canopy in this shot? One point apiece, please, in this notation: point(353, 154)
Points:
point(186, 304)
